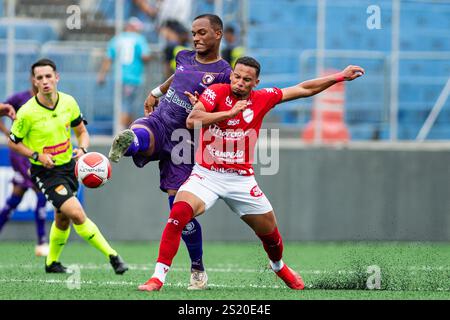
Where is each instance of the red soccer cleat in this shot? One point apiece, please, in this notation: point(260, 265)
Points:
point(291, 278)
point(153, 284)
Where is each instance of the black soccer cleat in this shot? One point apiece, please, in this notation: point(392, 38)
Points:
point(56, 267)
point(118, 264)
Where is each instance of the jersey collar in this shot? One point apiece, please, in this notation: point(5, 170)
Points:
point(39, 103)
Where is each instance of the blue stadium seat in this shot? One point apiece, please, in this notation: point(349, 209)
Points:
point(427, 30)
point(30, 29)
point(203, 6)
point(364, 131)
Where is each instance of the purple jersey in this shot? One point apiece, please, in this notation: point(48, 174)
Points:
point(19, 163)
point(190, 76)
point(19, 99)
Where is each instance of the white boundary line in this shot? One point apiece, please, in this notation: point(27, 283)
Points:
point(229, 268)
point(184, 285)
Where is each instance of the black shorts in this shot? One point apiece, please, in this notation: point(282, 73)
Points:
point(58, 184)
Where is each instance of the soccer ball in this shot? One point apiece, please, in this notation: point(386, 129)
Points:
point(93, 169)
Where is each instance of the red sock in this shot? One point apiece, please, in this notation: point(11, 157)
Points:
point(273, 244)
point(179, 217)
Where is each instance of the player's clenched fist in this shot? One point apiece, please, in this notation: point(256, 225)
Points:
point(150, 103)
point(352, 72)
point(46, 160)
point(238, 107)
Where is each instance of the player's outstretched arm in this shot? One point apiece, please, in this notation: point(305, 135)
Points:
point(200, 117)
point(311, 87)
point(152, 99)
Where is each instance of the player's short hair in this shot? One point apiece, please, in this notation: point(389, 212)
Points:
point(250, 62)
point(214, 20)
point(42, 63)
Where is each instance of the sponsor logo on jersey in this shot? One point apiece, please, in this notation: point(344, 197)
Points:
point(271, 90)
point(233, 122)
point(57, 149)
point(230, 170)
point(256, 192)
point(208, 78)
point(229, 134)
point(170, 93)
point(171, 96)
point(248, 114)
point(229, 102)
point(209, 96)
point(61, 190)
point(173, 221)
point(227, 156)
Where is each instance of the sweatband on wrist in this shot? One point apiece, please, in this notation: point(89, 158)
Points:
point(339, 77)
point(157, 92)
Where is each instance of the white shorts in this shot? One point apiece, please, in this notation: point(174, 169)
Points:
point(240, 193)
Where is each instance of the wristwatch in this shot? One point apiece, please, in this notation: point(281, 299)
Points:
point(84, 150)
point(35, 156)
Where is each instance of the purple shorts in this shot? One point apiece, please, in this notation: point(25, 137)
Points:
point(21, 166)
point(174, 170)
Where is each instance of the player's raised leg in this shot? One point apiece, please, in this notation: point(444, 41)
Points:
point(131, 141)
point(266, 229)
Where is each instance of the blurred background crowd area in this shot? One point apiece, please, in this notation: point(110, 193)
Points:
point(404, 46)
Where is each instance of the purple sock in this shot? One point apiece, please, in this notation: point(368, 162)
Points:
point(11, 204)
point(142, 143)
point(192, 237)
point(40, 214)
point(171, 200)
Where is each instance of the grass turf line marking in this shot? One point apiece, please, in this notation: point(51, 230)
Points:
point(184, 285)
point(129, 283)
point(145, 267)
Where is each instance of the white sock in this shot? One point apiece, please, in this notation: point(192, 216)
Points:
point(276, 266)
point(161, 271)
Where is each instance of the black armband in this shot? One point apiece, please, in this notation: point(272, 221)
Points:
point(14, 138)
point(78, 120)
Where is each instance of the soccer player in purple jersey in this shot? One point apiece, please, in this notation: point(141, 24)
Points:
point(149, 138)
point(22, 182)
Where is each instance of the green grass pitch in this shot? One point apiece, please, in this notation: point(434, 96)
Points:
point(237, 271)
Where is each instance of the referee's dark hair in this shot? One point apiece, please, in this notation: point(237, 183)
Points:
point(215, 20)
point(250, 62)
point(42, 63)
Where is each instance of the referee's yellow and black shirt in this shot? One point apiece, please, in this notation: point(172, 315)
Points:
point(47, 130)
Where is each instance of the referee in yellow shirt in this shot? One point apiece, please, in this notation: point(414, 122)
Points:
point(42, 133)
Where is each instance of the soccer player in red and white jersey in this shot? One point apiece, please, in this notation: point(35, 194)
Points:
point(231, 116)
